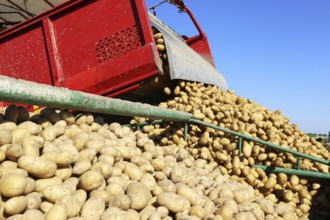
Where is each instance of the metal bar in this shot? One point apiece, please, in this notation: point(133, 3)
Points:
point(156, 5)
point(11, 7)
point(185, 132)
point(9, 22)
point(195, 121)
point(53, 54)
point(198, 27)
point(21, 9)
point(25, 92)
point(49, 3)
point(14, 12)
point(306, 173)
point(141, 124)
point(298, 163)
point(240, 143)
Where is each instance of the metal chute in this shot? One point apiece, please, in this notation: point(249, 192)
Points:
point(184, 62)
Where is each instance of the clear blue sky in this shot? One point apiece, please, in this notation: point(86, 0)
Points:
point(275, 52)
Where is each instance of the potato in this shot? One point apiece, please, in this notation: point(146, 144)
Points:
point(133, 171)
point(31, 145)
point(158, 36)
point(116, 213)
point(288, 196)
point(67, 145)
point(304, 208)
point(90, 180)
point(105, 195)
point(64, 172)
point(5, 136)
point(160, 47)
point(41, 184)
point(167, 185)
point(104, 168)
point(30, 186)
point(226, 212)
point(59, 211)
point(51, 132)
point(139, 194)
point(67, 116)
point(245, 215)
point(123, 202)
point(46, 206)
point(33, 128)
point(33, 214)
point(270, 183)
point(267, 206)
point(190, 194)
point(11, 113)
point(294, 180)
point(61, 158)
point(37, 166)
point(50, 114)
point(81, 167)
point(54, 192)
point(93, 208)
point(33, 200)
point(166, 199)
point(13, 184)
point(14, 151)
point(197, 211)
point(148, 180)
point(243, 194)
point(74, 203)
point(15, 205)
point(247, 149)
point(87, 154)
point(283, 208)
point(115, 189)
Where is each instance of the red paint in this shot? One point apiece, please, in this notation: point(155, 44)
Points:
point(104, 47)
point(62, 47)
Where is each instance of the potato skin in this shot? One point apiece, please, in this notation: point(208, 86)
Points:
point(93, 208)
point(59, 211)
point(5, 136)
point(139, 194)
point(15, 205)
point(13, 184)
point(37, 166)
point(90, 180)
point(167, 199)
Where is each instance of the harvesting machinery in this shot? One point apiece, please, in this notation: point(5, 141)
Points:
point(103, 47)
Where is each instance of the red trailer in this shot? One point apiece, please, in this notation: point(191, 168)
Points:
point(104, 47)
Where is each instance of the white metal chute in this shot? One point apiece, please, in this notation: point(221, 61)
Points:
point(184, 62)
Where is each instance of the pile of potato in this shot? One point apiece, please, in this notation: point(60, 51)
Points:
point(224, 108)
point(160, 44)
point(55, 165)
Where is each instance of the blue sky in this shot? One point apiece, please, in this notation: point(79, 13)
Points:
point(274, 52)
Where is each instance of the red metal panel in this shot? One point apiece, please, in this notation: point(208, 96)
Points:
point(125, 70)
point(201, 46)
point(101, 47)
point(23, 55)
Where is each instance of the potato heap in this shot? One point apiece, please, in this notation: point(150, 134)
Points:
point(212, 105)
point(57, 166)
point(160, 44)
